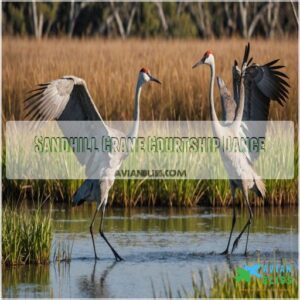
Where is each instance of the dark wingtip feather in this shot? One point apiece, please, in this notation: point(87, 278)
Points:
point(271, 63)
point(246, 53)
point(280, 102)
point(249, 61)
point(39, 88)
point(277, 67)
point(32, 96)
point(278, 73)
point(282, 81)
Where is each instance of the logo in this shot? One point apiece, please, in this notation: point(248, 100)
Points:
point(268, 273)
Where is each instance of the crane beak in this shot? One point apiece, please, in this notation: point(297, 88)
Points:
point(154, 79)
point(200, 62)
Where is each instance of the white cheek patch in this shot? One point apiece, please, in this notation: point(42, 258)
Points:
point(207, 60)
point(146, 77)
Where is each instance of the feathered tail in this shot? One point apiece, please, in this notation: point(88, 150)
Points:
point(88, 191)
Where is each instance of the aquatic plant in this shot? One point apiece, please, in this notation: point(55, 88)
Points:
point(26, 237)
point(63, 251)
point(137, 193)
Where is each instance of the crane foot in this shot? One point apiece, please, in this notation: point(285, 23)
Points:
point(118, 257)
point(225, 252)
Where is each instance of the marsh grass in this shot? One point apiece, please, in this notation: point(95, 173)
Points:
point(26, 237)
point(138, 193)
point(110, 68)
point(63, 251)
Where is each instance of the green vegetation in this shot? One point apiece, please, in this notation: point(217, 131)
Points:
point(63, 251)
point(137, 193)
point(26, 237)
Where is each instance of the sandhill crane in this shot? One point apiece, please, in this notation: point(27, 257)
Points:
point(68, 99)
point(253, 87)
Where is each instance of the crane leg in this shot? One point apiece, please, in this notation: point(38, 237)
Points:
point(233, 220)
point(250, 222)
point(117, 256)
point(248, 234)
point(91, 231)
point(247, 225)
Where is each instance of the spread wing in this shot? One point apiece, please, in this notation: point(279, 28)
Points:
point(68, 99)
point(262, 84)
point(65, 99)
point(228, 103)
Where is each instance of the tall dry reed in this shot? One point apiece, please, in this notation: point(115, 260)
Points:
point(110, 68)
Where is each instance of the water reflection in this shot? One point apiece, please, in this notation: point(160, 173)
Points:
point(16, 280)
point(268, 219)
point(155, 243)
point(94, 286)
point(55, 280)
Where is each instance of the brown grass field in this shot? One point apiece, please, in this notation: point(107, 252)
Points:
point(110, 68)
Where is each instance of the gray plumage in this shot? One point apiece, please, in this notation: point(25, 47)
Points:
point(68, 99)
point(261, 85)
point(254, 87)
point(227, 101)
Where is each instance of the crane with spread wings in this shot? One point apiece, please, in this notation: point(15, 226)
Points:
point(68, 99)
point(254, 86)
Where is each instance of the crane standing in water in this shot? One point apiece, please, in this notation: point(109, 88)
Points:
point(253, 87)
point(68, 99)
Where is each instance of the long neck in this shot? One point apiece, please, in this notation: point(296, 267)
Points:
point(136, 115)
point(211, 93)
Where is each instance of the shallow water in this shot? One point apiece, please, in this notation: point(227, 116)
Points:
point(160, 247)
